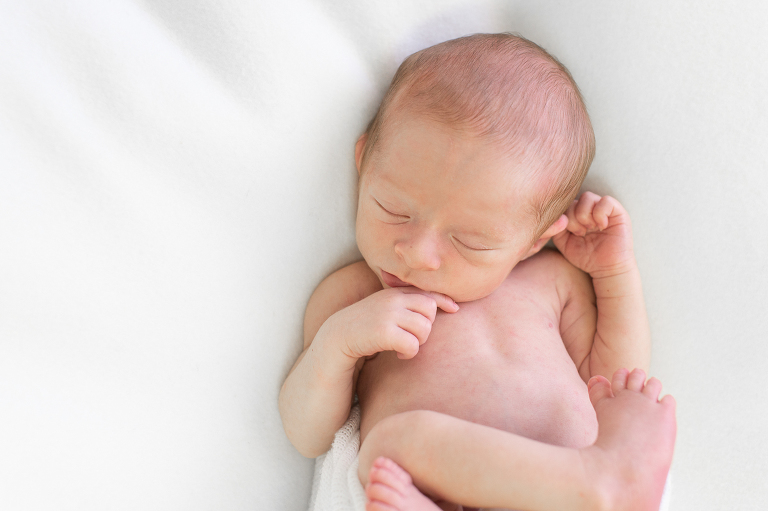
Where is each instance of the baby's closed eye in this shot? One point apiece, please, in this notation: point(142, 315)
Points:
point(473, 245)
point(392, 213)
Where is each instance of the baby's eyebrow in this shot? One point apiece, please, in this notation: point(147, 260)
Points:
point(393, 185)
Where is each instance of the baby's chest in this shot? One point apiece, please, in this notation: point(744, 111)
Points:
point(509, 371)
point(499, 361)
point(512, 326)
point(498, 348)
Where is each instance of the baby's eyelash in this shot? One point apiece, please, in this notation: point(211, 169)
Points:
point(388, 211)
point(483, 249)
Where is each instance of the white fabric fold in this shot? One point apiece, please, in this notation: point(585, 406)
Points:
point(336, 486)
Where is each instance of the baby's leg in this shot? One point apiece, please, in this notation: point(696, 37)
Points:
point(459, 461)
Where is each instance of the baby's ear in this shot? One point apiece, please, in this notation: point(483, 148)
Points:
point(359, 148)
point(554, 229)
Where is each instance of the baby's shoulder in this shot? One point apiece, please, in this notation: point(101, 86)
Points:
point(337, 291)
point(550, 266)
point(548, 260)
point(353, 282)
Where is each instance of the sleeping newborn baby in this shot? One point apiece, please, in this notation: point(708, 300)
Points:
point(481, 361)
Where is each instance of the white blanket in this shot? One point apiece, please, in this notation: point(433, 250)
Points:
point(177, 177)
point(336, 486)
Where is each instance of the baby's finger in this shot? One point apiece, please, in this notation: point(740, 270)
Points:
point(442, 301)
point(584, 209)
point(445, 302)
point(573, 224)
point(404, 343)
point(604, 210)
point(415, 324)
point(414, 299)
point(561, 239)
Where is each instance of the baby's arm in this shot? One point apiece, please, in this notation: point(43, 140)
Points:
point(317, 394)
point(348, 317)
point(598, 240)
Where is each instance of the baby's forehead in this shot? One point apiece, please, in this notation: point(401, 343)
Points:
point(524, 133)
point(412, 131)
point(495, 85)
point(426, 166)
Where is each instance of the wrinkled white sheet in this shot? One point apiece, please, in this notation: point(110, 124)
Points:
point(176, 178)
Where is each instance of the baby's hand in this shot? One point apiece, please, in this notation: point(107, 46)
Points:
point(598, 239)
point(397, 319)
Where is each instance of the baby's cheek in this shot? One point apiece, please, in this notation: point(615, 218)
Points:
point(362, 232)
point(468, 284)
point(486, 281)
point(370, 248)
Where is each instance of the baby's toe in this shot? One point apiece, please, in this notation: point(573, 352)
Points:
point(599, 389)
point(393, 479)
point(378, 492)
point(619, 381)
point(395, 469)
point(669, 402)
point(652, 389)
point(636, 380)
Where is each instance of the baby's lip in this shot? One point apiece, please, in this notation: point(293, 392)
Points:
point(393, 281)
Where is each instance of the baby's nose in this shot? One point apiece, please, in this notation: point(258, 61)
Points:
point(419, 252)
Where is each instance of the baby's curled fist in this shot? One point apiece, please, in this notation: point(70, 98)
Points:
point(598, 238)
point(396, 319)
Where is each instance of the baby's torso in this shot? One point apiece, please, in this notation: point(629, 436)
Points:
point(499, 361)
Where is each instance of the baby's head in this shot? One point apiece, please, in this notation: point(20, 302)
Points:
point(478, 148)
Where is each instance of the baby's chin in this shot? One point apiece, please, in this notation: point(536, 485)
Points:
point(459, 295)
point(464, 297)
point(469, 293)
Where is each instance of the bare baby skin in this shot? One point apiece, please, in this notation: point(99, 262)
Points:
point(471, 349)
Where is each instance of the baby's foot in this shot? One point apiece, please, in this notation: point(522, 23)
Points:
point(391, 488)
point(636, 436)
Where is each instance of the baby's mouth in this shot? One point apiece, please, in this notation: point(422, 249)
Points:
point(393, 281)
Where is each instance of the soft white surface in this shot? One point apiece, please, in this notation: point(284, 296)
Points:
point(336, 483)
point(176, 178)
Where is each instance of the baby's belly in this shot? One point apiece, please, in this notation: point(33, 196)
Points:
point(509, 371)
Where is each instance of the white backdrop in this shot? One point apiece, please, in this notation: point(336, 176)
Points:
point(177, 177)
